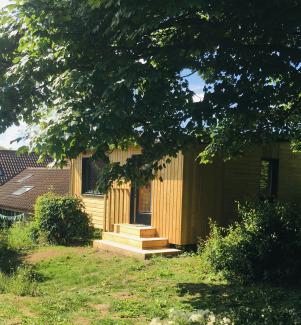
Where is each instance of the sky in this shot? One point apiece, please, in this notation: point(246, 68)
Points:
point(196, 84)
point(4, 3)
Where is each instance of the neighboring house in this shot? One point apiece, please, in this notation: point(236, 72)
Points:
point(178, 209)
point(12, 163)
point(20, 193)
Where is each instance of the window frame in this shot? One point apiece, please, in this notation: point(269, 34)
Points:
point(83, 193)
point(22, 190)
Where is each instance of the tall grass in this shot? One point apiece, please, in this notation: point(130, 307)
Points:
point(21, 236)
point(22, 282)
point(15, 276)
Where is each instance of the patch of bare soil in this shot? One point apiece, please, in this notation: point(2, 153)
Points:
point(14, 321)
point(123, 295)
point(28, 313)
point(82, 321)
point(52, 252)
point(106, 255)
point(49, 253)
point(20, 302)
point(103, 308)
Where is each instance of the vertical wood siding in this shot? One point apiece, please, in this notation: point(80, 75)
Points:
point(289, 188)
point(191, 193)
point(94, 204)
point(167, 201)
point(211, 191)
point(166, 198)
point(240, 182)
point(119, 197)
point(202, 197)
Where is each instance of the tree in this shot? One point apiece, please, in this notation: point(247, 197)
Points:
point(100, 74)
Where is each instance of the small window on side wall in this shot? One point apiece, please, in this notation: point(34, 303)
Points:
point(269, 178)
point(91, 171)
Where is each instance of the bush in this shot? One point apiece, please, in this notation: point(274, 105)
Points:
point(22, 235)
point(264, 246)
point(62, 219)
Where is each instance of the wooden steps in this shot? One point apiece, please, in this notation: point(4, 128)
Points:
point(138, 242)
point(135, 230)
point(135, 240)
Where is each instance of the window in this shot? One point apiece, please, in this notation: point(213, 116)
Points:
point(91, 171)
point(23, 190)
point(144, 199)
point(24, 178)
point(269, 178)
point(1, 172)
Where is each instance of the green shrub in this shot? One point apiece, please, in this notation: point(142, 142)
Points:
point(62, 219)
point(22, 235)
point(264, 246)
point(96, 233)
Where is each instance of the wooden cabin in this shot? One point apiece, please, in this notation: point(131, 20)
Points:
point(177, 209)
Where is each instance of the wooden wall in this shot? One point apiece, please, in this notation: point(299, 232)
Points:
point(167, 201)
point(240, 183)
point(202, 197)
point(191, 193)
point(119, 198)
point(94, 204)
point(289, 175)
point(166, 198)
point(211, 191)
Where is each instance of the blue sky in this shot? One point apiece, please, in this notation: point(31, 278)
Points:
point(196, 83)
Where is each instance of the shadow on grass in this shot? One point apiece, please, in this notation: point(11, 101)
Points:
point(261, 304)
point(10, 260)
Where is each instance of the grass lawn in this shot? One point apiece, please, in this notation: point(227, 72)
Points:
point(83, 286)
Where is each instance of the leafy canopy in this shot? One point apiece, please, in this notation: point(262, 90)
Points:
point(99, 74)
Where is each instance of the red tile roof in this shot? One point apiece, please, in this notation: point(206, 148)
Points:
point(11, 164)
point(38, 181)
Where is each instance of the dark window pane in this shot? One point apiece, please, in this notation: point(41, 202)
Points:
point(91, 171)
point(268, 178)
point(264, 177)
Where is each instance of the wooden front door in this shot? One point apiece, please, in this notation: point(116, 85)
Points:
point(141, 205)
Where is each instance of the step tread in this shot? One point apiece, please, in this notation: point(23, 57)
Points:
point(135, 226)
point(138, 250)
point(141, 239)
